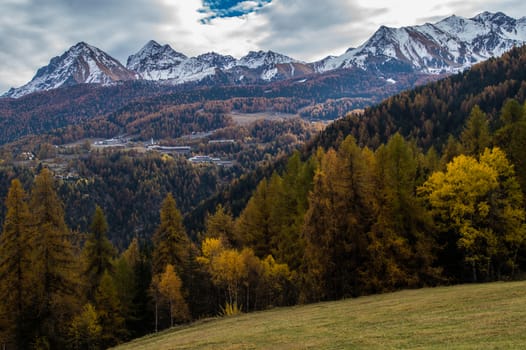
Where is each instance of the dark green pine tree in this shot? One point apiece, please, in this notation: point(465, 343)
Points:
point(288, 211)
point(400, 243)
point(252, 226)
point(170, 241)
point(476, 136)
point(109, 311)
point(511, 137)
point(98, 252)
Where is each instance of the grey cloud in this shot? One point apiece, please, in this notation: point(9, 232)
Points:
point(466, 8)
point(34, 31)
point(309, 29)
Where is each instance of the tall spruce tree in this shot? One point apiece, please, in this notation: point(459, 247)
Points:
point(109, 311)
point(252, 226)
point(476, 136)
point(171, 245)
point(511, 137)
point(132, 279)
point(15, 267)
point(54, 266)
point(170, 241)
point(288, 211)
point(98, 252)
point(399, 239)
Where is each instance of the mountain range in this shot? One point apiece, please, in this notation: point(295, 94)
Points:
point(448, 46)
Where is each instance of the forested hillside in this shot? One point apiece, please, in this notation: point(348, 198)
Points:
point(428, 115)
point(70, 114)
point(431, 113)
point(129, 184)
point(430, 192)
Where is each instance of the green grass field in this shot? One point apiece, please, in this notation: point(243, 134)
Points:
point(481, 316)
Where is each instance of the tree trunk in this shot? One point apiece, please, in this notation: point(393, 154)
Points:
point(171, 315)
point(156, 316)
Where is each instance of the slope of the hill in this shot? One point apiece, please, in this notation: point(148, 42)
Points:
point(430, 113)
point(460, 317)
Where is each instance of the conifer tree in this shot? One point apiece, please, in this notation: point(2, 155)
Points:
point(252, 225)
point(220, 225)
point(170, 287)
point(288, 211)
point(85, 331)
point(126, 285)
point(324, 225)
point(98, 252)
point(132, 279)
point(15, 266)
point(109, 311)
point(400, 245)
point(476, 136)
point(336, 223)
point(55, 269)
point(171, 243)
point(511, 137)
point(450, 150)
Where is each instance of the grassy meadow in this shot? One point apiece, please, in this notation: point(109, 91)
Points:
point(477, 316)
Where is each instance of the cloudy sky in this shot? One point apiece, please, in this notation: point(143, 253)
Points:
point(34, 31)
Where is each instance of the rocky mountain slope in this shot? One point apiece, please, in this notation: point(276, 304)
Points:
point(82, 63)
point(448, 46)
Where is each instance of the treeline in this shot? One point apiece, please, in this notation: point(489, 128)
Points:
point(428, 115)
point(163, 120)
point(129, 186)
point(329, 110)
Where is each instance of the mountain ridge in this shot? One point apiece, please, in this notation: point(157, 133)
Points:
point(81, 63)
point(448, 46)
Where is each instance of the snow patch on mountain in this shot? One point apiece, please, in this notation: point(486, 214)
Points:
point(261, 58)
point(269, 74)
point(155, 62)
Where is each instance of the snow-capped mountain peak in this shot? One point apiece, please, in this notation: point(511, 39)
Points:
point(154, 61)
point(81, 63)
point(497, 18)
point(217, 60)
point(256, 59)
point(448, 46)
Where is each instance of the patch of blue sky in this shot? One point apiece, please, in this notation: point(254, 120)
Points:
point(230, 8)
